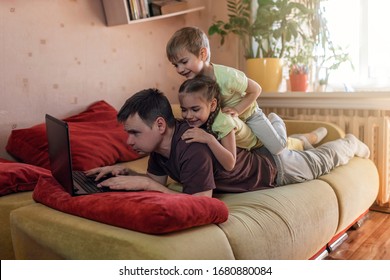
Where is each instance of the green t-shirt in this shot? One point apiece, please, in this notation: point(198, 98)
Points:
point(233, 84)
point(223, 124)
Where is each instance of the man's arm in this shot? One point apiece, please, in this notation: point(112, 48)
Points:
point(124, 181)
point(127, 179)
point(144, 183)
point(137, 183)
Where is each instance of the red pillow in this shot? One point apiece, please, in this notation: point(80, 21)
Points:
point(97, 139)
point(148, 212)
point(19, 177)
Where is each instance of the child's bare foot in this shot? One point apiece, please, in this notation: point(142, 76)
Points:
point(316, 135)
point(311, 138)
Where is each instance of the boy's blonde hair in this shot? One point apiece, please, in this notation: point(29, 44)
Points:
point(191, 39)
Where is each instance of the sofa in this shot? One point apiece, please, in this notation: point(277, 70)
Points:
point(297, 221)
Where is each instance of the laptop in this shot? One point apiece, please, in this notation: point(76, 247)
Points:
point(74, 182)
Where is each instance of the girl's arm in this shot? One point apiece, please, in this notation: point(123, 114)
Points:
point(253, 91)
point(224, 151)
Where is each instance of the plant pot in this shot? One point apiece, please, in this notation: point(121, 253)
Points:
point(299, 82)
point(266, 71)
point(321, 88)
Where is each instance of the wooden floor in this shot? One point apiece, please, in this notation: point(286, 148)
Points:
point(369, 242)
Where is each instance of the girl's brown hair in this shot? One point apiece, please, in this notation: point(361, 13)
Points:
point(209, 89)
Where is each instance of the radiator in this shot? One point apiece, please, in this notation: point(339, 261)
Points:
point(370, 126)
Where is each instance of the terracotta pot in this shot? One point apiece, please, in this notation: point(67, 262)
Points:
point(299, 82)
point(266, 71)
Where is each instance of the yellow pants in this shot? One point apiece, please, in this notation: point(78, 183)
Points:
point(294, 144)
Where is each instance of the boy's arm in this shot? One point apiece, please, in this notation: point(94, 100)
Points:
point(253, 91)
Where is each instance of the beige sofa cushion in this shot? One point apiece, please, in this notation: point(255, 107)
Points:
point(265, 225)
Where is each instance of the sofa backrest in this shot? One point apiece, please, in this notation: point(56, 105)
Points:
point(176, 110)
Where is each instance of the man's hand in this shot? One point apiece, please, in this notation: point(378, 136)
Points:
point(128, 183)
point(100, 172)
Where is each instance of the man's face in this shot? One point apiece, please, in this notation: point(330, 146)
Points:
point(142, 138)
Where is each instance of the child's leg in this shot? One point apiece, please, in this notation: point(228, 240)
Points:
point(298, 166)
point(271, 132)
point(311, 138)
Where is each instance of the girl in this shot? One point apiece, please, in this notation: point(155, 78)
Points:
point(199, 101)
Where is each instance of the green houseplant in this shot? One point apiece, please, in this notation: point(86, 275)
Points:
point(275, 26)
point(264, 36)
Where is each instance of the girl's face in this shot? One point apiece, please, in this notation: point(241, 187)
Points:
point(188, 64)
point(195, 109)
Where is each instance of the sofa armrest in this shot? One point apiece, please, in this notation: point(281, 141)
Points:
point(300, 126)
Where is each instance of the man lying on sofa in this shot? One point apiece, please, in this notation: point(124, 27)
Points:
point(152, 128)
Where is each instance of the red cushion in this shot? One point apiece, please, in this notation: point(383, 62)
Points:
point(19, 177)
point(97, 139)
point(148, 212)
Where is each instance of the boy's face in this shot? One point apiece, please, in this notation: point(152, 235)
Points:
point(188, 64)
point(141, 137)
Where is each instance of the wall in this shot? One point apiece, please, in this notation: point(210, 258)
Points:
point(58, 56)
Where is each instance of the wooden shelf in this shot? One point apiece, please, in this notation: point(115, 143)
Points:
point(117, 13)
point(192, 10)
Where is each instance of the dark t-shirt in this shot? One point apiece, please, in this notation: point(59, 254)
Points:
point(196, 168)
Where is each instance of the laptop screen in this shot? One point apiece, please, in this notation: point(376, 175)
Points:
point(59, 151)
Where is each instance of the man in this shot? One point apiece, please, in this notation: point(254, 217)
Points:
point(148, 119)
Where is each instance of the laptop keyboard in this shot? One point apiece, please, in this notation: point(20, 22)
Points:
point(87, 183)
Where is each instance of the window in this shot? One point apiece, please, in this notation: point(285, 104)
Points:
point(361, 27)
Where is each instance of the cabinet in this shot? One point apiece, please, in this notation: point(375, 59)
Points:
point(117, 13)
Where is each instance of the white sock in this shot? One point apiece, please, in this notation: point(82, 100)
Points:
point(362, 149)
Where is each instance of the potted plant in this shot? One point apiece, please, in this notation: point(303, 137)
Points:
point(299, 79)
point(265, 36)
point(300, 57)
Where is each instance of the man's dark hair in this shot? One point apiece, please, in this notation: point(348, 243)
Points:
point(149, 104)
